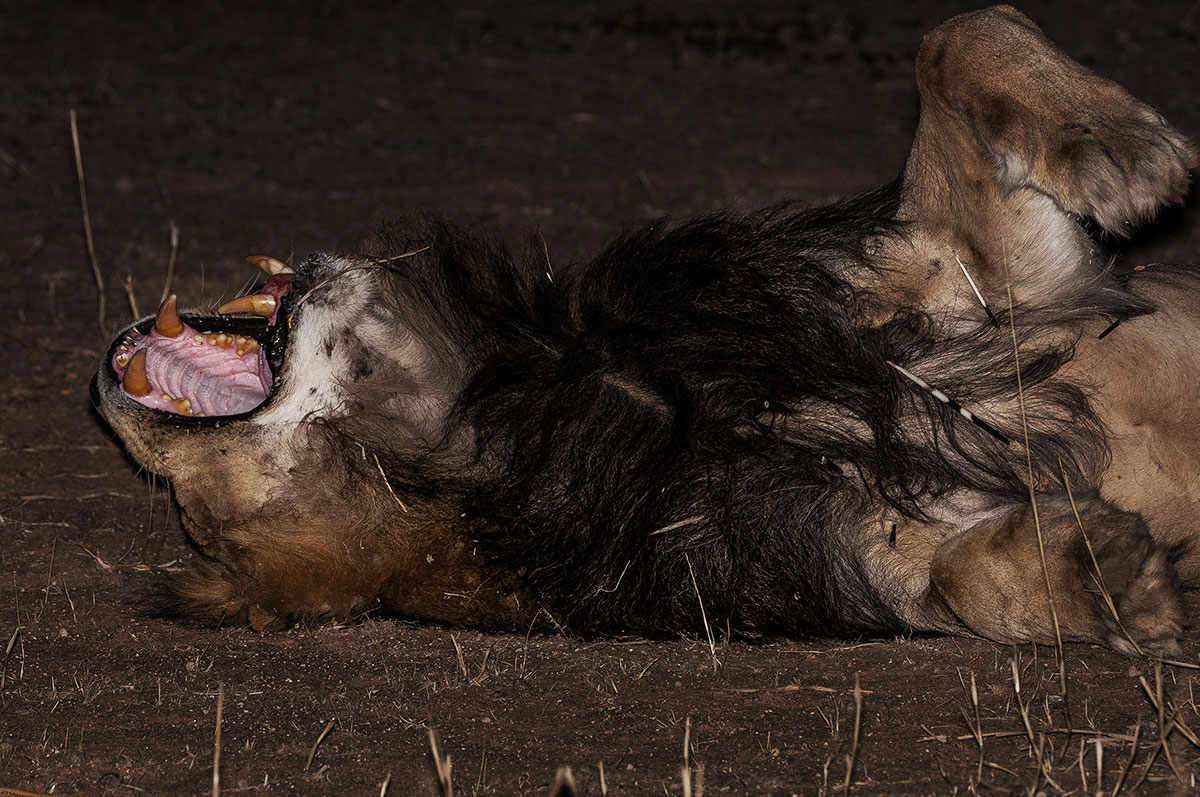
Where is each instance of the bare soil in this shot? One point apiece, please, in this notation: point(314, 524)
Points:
point(300, 127)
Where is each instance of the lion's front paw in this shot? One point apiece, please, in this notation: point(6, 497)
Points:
point(1138, 593)
point(1115, 160)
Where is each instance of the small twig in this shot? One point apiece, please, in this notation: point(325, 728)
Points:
point(462, 663)
point(313, 752)
point(133, 305)
point(101, 300)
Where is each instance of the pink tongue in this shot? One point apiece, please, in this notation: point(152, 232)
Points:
point(197, 374)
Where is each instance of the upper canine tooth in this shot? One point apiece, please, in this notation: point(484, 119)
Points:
point(135, 381)
point(270, 265)
point(262, 304)
point(167, 321)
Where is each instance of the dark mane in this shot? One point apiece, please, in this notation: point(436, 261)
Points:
point(707, 402)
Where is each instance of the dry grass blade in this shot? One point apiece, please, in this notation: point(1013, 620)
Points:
point(853, 756)
point(546, 253)
point(1037, 744)
point(712, 643)
point(394, 258)
point(8, 649)
point(1037, 522)
point(1097, 576)
point(978, 729)
point(1166, 724)
point(216, 765)
point(320, 738)
point(677, 525)
point(687, 766)
point(441, 766)
point(166, 291)
point(564, 783)
point(388, 484)
point(101, 298)
point(1133, 746)
point(972, 736)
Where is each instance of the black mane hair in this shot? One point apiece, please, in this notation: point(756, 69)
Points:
point(705, 413)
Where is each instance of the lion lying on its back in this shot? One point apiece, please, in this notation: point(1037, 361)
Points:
point(816, 421)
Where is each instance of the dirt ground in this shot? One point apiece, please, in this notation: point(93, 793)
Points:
point(300, 128)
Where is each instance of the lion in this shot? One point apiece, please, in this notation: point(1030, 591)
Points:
point(931, 408)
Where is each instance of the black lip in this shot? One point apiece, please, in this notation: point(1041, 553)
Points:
point(105, 385)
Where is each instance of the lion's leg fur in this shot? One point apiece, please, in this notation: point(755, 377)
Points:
point(1016, 142)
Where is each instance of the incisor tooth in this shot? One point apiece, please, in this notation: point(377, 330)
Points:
point(135, 382)
point(262, 304)
point(270, 265)
point(167, 321)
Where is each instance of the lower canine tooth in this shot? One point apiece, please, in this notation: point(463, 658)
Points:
point(135, 382)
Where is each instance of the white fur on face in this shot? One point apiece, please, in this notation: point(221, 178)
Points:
point(334, 332)
point(311, 383)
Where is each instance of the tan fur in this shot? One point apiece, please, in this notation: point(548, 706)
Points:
point(1014, 142)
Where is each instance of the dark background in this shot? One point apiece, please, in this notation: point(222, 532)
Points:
point(293, 127)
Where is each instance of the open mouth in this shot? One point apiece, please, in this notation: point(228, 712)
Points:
point(208, 366)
